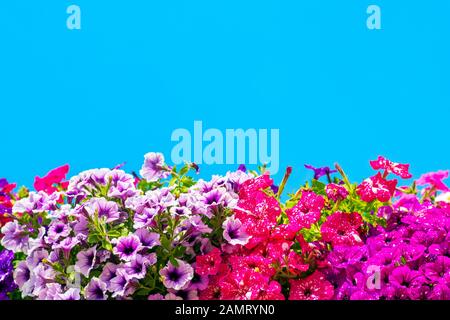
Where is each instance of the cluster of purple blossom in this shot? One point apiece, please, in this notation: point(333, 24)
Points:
point(111, 235)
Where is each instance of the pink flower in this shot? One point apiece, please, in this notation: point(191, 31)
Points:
point(257, 211)
point(342, 229)
point(314, 287)
point(307, 211)
point(255, 262)
point(398, 169)
point(336, 192)
point(269, 291)
point(55, 176)
point(434, 180)
point(243, 284)
point(296, 264)
point(376, 187)
point(208, 264)
point(213, 291)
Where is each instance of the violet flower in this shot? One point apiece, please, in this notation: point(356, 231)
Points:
point(154, 167)
point(127, 247)
point(95, 290)
point(177, 277)
point(234, 232)
point(320, 172)
point(86, 261)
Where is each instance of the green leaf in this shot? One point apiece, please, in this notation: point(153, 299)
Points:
point(165, 243)
point(107, 245)
point(114, 234)
point(93, 238)
point(184, 170)
point(318, 187)
point(173, 261)
point(142, 292)
point(23, 192)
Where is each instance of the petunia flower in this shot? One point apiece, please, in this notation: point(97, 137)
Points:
point(243, 284)
point(398, 169)
point(176, 277)
point(15, 237)
point(154, 167)
point(108, 273)
point(104, 209)
point(376, 187)
point(234, 231)
point(95, 290)
point(434, 180)
point(137, 268)
point(208, 264)
point(70, 294)
point(313, 287)
point(307, 211)
point(86, 261)
point(320, 172)
point(55, 176)
point(56, 231)
point(336, 192)
point(342, 229)
point(148, 239)
point(127, 247)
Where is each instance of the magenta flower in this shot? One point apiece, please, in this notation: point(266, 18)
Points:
point(336, 192)
point(342, 229)
point(401, 170)
point(406, 278)
point(376, 187)
point(208, 264)
point(434, 180)
point(313, 287)
point(307, 211)
point(438, 270)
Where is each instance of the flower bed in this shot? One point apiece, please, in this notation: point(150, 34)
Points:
point(107, 234)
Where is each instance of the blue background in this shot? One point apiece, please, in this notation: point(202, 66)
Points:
point(140, 69)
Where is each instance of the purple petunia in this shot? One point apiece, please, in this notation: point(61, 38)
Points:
point(234, 232)
point(6, 274)
point(106, 210)
point(154, 167)
point(56, 231)
point(177, 277)
point(127, 247)
point(137, 268)
point(86, 261)
point(148, 239)
point(108, 273)
point(15, 237)
point(95, 290)
point(320, 172)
